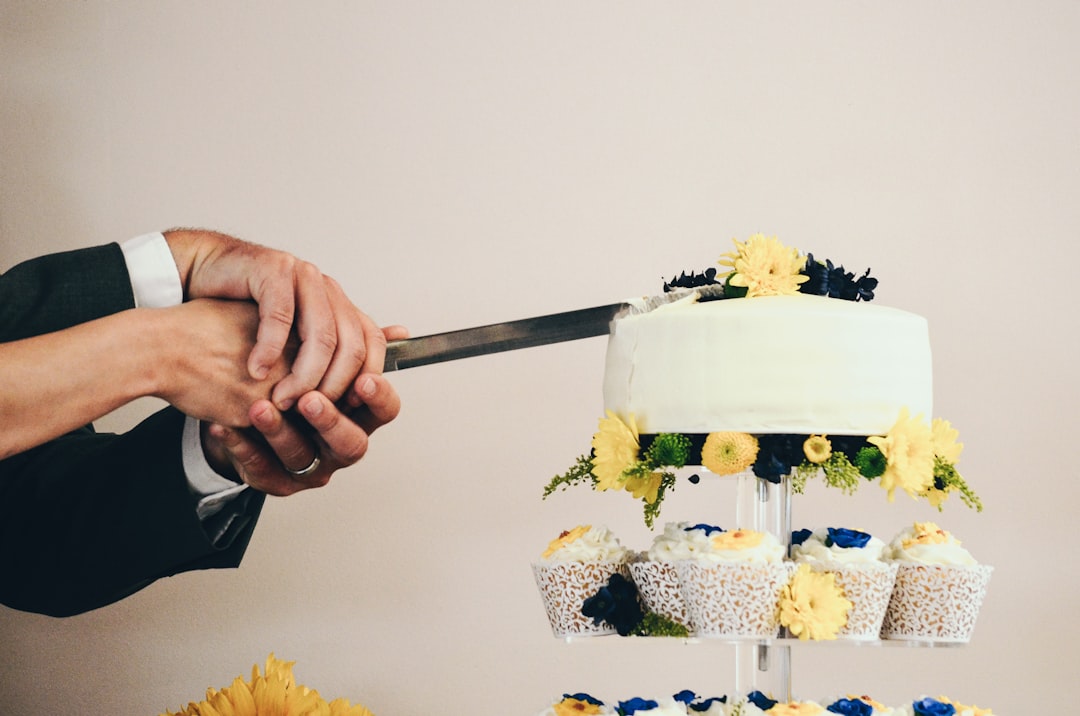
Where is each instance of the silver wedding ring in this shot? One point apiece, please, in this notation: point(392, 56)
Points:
point(307, 470)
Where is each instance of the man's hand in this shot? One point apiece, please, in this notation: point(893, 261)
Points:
point(336, 338)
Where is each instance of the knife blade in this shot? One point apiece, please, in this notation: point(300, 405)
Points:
point(523, 333)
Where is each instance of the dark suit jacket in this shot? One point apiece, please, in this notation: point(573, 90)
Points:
point(90, 518)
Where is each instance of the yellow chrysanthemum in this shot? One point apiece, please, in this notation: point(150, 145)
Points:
point(927, 533)
point(737, 539)
point(615, 448)
point(909, 456)
point(817, 449)
point(565, 538)
point(944, 435)
point(812, 606)
point(728, 453)
point(962, 710)
point(796, 708)
point(765, 267)
point(647, 487)
point(575, 707)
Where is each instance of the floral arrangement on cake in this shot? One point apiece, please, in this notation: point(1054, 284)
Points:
point(274, 692)
point(914, 456)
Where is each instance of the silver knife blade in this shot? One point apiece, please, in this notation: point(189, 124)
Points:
point(527, 332)
point(499, 337)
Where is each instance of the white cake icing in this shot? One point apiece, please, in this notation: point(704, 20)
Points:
point(773, 364)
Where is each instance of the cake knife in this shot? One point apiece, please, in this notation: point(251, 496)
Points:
point(526, 332)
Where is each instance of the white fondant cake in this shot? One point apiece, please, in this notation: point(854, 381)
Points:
point(772, 364)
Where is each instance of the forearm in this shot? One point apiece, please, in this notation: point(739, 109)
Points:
point(56, 382)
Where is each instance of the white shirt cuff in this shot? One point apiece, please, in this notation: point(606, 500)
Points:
point(155, 280)
point(214, 491)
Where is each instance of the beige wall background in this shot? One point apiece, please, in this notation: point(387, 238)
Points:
point(455, 164)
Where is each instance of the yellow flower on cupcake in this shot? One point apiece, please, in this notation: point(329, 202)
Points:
point(565, 538)
point(615, 448)
point(909, 455)
point(571, 706)
point(962, 710)
point(796, 708)
point(812, 606)
point(765, 267)
point(737, 539)
point(728, 453)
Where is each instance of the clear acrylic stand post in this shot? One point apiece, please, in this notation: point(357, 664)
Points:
point(764, 665)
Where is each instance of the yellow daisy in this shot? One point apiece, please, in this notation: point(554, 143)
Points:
point(765, 267)
point(615, 448)
point(909, 456)
point(944, 435)
point(728, 453)
point(647, 487)
point(812, 606)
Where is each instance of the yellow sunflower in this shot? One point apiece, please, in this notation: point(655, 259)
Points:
point(909, 455)
point(728, 453)
point(615, 447)
point(796, 708)
point(765, 267)
point(812, 606)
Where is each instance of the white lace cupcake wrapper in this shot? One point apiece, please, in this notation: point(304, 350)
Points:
point(564, 587)
point(734, 601)
point(935, 603)
point(658, 584)
point(869, 586)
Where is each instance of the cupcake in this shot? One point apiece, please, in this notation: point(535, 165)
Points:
point(758, 704)
point(731, 587)
point(963, 710)
point(942, 707)
point(648, 707)
point(855, 560)
point(577, 705)
point(703, 706)
point(939, 587)
point(655, 574)
point(573, 568)
point(852, 705)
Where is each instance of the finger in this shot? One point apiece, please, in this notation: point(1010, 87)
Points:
point(317, 328)
point(380, 403)
point(254, 462)
point(273, 290)
point(355, 344)
point(293, 449)
point(343, 441)
point(395, 333)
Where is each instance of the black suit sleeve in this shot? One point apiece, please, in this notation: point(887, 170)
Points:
point(90, 518)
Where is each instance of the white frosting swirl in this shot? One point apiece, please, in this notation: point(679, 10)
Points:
point(925, 543)
point(740, 546)
point(585, 544)
point(664, 707)
point(678, 542)
point(815, 549)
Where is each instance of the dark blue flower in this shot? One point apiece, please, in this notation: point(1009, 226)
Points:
point(800, 536)
point(825, 279)
point(617, 604)
point(685, 696)
point(707, 703)
point(846, 538)
point(584, 697)
point(705, 278)
point(777, 455)
point(626, 708)
point(708, 529)
point(932, 707)
point(760, 700)
point(851, 707)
